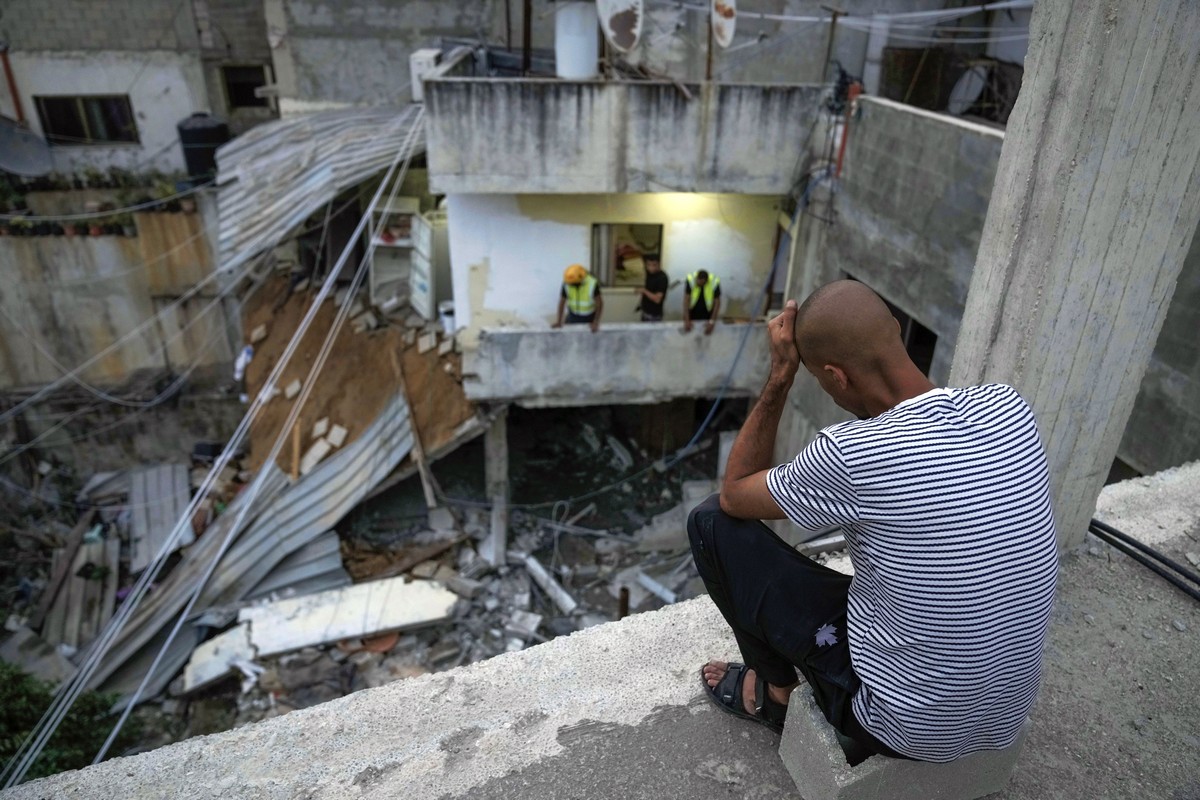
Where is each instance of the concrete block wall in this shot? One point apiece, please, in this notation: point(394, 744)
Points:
point(75, 25)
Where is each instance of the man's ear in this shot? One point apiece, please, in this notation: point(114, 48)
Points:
point(838, 375)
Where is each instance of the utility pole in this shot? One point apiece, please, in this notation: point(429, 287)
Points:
point(836, 12)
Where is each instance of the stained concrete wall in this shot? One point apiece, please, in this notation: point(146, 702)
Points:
point(1164, 429)
point(910, 212)
point(68, 298)
point(233, 33)
point(508, 252)
point(504, 136)
point(163, 86)
point(146, 25)
point(622, 363)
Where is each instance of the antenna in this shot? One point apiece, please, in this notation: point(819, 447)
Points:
point(621, 21)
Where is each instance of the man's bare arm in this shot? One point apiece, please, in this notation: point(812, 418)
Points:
point(744, 492)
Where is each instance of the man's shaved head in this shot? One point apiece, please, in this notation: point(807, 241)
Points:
point(847, 324)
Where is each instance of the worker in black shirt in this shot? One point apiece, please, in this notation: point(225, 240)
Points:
point(701, 300)
point(655, 290)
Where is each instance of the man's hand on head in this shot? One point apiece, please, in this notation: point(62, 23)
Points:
point(785, 358)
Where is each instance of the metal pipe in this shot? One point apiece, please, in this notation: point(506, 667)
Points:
point(1146, 561)
point(12, 83)
point(1148, 550)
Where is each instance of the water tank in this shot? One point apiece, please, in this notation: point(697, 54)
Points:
point(576, 41)
point(200, 135)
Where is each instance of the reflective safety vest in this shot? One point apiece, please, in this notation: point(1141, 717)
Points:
point(581, 297)
point(710, 288)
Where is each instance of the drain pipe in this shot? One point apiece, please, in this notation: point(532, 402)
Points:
point(12, 83)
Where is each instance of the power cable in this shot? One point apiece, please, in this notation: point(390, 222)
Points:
point(31, 747)
point(298, 404)
point(682, 453)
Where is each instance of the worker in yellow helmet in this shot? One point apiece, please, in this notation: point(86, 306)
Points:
point(580, 298)
point(701, 300)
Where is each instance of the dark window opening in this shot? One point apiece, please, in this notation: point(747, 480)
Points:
point(87, 120)
point(240, 83)
point(618, 252)
point(919, 341)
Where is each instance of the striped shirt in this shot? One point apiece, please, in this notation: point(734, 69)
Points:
point(945, 503)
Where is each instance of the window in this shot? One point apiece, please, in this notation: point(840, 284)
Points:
point(91, 119)
point(918, 340)
point(617, 251)
point(240, 83)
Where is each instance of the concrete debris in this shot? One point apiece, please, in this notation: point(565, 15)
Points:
point(425, 570)
point(622, 458)
point(523, 624)
point(320, 427)
point(426, 342)
point(292, 389)
point(316, 451)
point(442, 519)
point(589, 436)
point(445, 347)
point(215, 659)
point(414, 320)
point(359, 610)
point(36, 656)
point(337, 435)
point(301, 285)
point(565, 602)
point(464, 587)
point(258, 334)
point(656, 588)
point(364, 322)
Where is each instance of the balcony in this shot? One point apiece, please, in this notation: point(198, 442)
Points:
point(620, 363)
point(545, 135)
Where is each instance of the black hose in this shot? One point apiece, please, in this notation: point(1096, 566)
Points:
point(1146, 561)
point(1148, 550)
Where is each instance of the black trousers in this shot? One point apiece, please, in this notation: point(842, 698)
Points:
point(787, 612)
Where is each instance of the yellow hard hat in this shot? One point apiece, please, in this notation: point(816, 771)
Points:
point(574, 274)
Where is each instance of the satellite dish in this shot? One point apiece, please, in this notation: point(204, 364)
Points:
point(967, 90)
point(621, 21)
point(23, 152)
point(723, 21)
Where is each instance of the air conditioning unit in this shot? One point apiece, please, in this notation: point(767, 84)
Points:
point(420, 65)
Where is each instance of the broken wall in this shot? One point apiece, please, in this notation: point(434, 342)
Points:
point(508, 252)
point(66, 298)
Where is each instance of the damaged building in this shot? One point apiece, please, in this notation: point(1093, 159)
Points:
point(285, 415)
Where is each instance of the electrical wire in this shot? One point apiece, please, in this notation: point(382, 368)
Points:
point(112, 212)
point(683, 452)
point(31, 747)
point(310, 381)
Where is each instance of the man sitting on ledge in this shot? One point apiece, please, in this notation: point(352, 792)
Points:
point(933, 649)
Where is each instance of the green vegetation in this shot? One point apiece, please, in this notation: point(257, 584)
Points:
point(23, 700)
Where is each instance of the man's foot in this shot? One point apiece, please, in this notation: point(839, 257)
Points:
point(714, 671)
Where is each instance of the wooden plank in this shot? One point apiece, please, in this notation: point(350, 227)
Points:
point(59, 569)
point(108, 600)
point(52, 630)
point(91, 594)
point(139, 521)
point(360, 610)
point(72, 598)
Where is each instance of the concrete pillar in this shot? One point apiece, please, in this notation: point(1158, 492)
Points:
point(873, 64)
point(1096, 198)
point(495, 454)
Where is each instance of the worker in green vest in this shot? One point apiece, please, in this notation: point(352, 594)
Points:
point(580, 298)
point(701, 300)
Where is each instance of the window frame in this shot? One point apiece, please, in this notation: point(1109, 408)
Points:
point(603, 254)
point(89, 139)
point(267, 80)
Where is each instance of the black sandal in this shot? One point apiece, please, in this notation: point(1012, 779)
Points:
point(727, 694)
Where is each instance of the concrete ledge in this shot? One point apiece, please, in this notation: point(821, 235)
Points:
point(449, 734)
point(811, 753)
point(621, 363)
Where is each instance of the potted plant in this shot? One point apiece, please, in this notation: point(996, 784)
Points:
point(20, 227)
point(95, 228)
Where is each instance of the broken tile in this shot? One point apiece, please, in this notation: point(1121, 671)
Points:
point(214, 659)
point(426, 342)
point(320, 427)
point(523, 623)
point(425, 570)
point(317, 451)
point(445, 347)
point(337, 435)
point(258, 334)
point(292, 389)
point(464, 587)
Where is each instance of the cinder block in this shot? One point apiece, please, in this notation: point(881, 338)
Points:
point(337, 435)
point(812, 755)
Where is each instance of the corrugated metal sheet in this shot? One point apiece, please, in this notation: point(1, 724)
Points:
point(285, 518)
point(316, 567)
point(277, 174)
point(158, 496)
